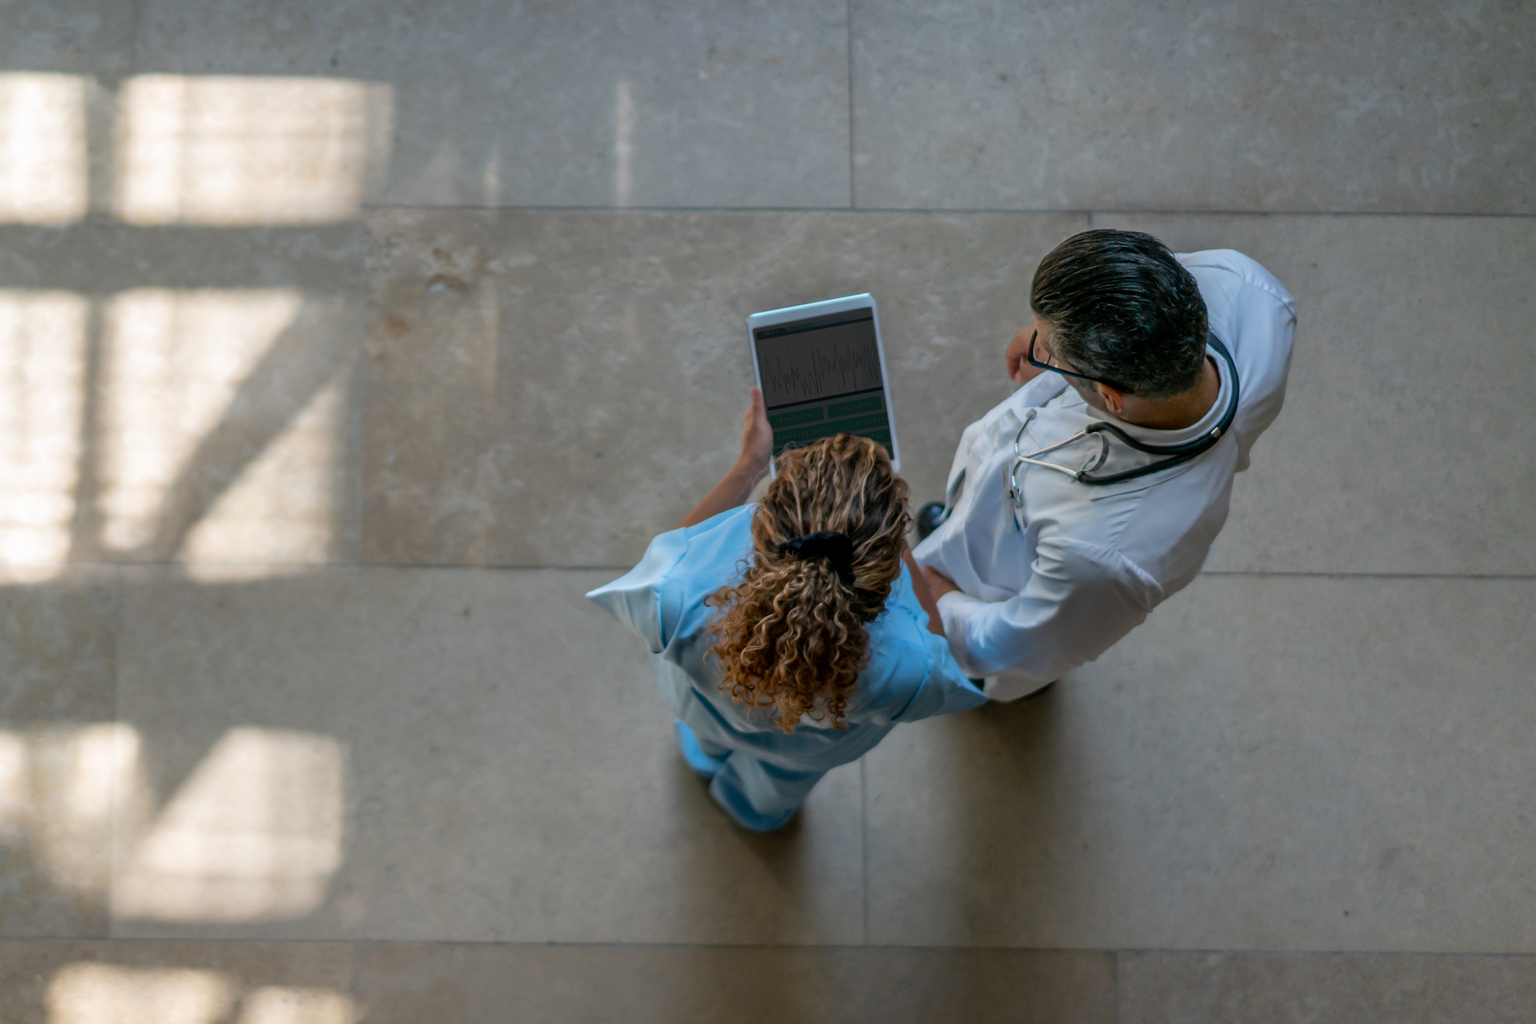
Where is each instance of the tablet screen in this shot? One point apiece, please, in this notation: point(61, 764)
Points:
point(821, 377)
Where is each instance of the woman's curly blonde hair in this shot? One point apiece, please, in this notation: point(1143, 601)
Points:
point(790, 634)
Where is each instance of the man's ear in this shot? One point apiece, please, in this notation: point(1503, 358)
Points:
point(1114, 400)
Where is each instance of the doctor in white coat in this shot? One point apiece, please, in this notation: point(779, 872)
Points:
point(1093, 493)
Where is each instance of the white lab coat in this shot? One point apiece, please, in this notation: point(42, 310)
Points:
point(1055, 584)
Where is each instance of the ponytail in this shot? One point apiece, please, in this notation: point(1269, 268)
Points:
point(827, 541)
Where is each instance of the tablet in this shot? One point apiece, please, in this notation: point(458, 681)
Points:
point(821, 368)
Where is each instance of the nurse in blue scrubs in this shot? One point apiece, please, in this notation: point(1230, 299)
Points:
point(787, 635)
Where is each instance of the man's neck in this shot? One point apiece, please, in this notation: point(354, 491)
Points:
point(1178, 411)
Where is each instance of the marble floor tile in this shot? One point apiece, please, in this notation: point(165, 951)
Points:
point(436, 755)
point(1323, 988)
point(71, 37)
point(51, 982)
point(58, 748)
point(1250, 106)
point(585, 104)
point(754, 985)
point(1269, 763)
point(1404, 445)
point(180, 393)
point(58, 645)
point(556, 388)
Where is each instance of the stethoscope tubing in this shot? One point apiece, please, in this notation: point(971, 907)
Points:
point(1178, 454)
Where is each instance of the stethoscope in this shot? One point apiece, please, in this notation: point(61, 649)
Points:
point(1176, 454)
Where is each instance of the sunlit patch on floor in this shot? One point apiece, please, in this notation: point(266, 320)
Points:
point(42, 337)
point(169, 424)
point(254, 834)
point(232, 393)
point(44, 178)
point(57, 786)
point(91, 993)
point(274, 1005)
point(248, 150)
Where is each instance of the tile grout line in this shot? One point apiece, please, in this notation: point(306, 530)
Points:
point(361, 370)
point(295, 569)
point(356, 944)
point(936, 210)
point(864, 842)
point(113, 835)
point(853, 201)
point(1114, 986)
point(352, 979)
point(1282, 573)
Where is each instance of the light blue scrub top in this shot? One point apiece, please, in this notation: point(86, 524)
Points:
point(910, 675)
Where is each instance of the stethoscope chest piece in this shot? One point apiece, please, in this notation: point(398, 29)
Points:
point(1016, 491)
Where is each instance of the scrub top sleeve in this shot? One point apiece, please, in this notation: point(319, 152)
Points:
point(635, 599)
point(1079, 601)
point(945, 690)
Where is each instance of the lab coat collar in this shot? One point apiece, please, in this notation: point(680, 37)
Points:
point(1148, 435)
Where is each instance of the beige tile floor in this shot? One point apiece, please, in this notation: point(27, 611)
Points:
point(343, 346)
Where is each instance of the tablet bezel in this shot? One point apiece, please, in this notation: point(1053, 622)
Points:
point(809, 310)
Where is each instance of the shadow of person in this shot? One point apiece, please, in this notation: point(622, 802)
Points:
point(1011, 813)
point(798, 883)
point(961, 806)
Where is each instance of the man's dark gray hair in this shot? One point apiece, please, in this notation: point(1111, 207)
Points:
point(1123, 310)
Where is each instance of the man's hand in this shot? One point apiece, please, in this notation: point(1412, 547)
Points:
point(938, 583)
point(1017, 352)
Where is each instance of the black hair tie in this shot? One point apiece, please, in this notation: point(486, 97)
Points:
point(836, 548)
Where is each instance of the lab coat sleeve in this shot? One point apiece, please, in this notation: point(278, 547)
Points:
point(638, 599)
point(945, 690)
point(1079, 601)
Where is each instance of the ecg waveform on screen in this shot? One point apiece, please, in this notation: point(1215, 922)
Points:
point(827, 370)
